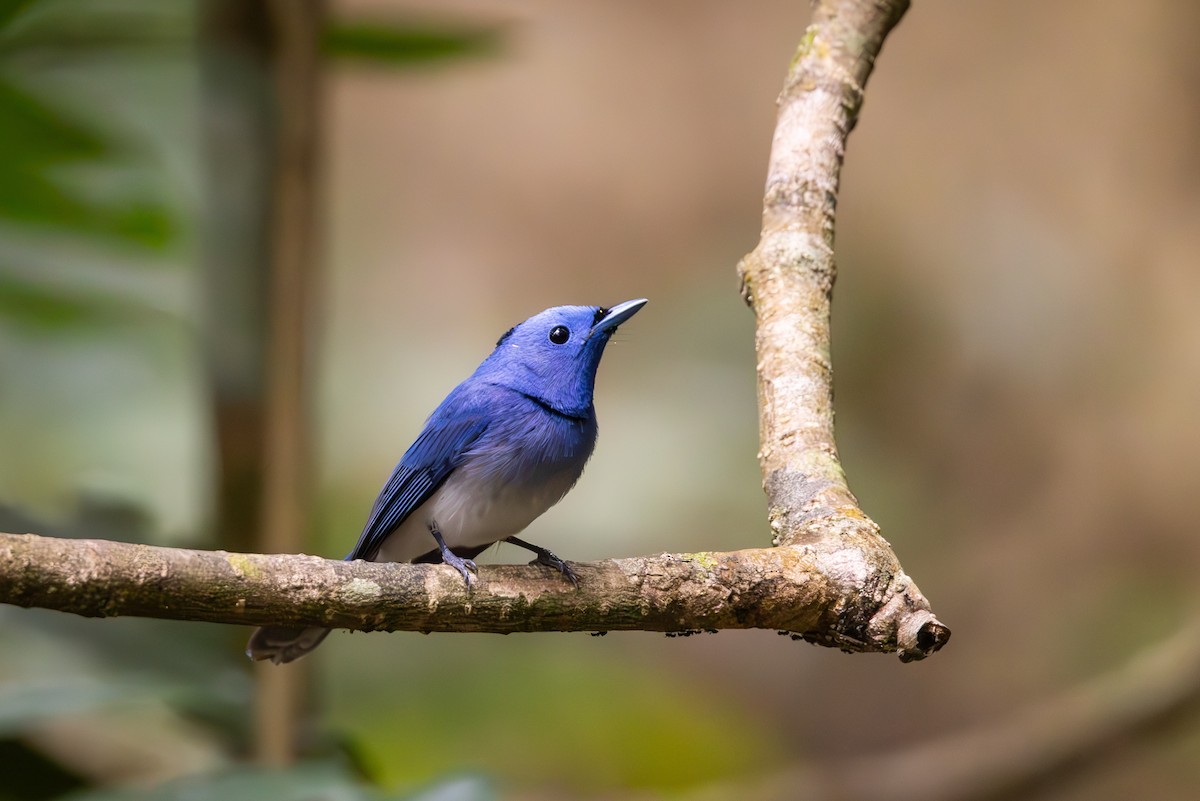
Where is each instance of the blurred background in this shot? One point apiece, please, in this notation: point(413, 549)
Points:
point(1016, 343)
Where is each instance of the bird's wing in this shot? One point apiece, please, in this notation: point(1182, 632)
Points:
point(423, 468)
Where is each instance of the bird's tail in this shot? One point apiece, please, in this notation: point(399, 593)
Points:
point(283, 643)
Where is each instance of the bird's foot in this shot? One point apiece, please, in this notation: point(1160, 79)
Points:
point(464, 566)
point(548, 558)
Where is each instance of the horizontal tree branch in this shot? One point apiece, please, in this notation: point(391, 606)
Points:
point(812, 590)
point(833, 579)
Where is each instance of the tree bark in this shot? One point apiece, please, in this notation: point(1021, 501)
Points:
point(788, 281)
point(798, 589)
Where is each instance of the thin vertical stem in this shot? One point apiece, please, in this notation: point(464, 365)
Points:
point(293, 247)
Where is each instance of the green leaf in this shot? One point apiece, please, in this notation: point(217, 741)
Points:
point(37, 202)
point(37, 137)
point(406, 45)
point(71, 29)
point(38, 144)
point(34, 307)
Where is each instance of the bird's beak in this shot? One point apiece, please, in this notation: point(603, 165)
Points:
point(617, 315)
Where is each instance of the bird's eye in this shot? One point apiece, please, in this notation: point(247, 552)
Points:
point(559, 334)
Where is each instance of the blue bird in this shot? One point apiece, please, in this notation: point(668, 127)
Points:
point(502, 448)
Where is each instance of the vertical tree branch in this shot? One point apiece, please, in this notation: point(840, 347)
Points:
point(788, 278)
point(238, 128)
point(243, 120)
point(293, 246)
point(788, 281)
point(261, 71)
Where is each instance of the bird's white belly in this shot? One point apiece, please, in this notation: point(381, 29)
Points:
point(471, 510)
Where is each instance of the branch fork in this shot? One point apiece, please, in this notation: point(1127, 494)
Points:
point(831, 579)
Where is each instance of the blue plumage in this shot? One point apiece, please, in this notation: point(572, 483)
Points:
point(446, 439)
point(502, 448)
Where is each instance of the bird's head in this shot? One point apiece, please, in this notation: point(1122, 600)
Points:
point(553, 355)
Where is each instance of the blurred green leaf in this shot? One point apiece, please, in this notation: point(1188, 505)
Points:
point(47, 309)
point(37, 142)
point(108, 25)
point(27, 197)
point(406, 44)
point(32, 307)
point(36, 137)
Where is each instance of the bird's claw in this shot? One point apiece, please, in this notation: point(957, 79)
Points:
point(464, 566)
point(548, 559)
